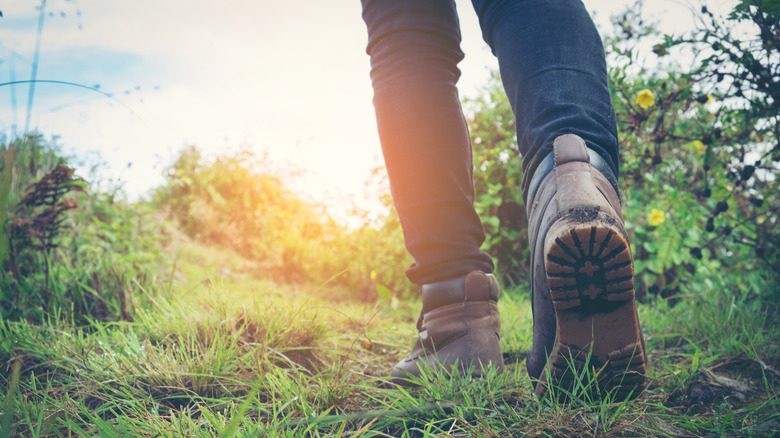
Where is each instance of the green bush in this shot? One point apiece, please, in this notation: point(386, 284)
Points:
point(700, 147)
point(240, 201)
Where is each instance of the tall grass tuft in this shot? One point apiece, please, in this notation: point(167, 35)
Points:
point(65, 250)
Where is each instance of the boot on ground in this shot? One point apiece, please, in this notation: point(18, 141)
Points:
point(459, 329)
point(585, 316)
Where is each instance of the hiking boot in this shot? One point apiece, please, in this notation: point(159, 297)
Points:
point(585, 317)
point(458, 326)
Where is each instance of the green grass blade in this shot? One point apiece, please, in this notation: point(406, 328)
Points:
point(230, 430)
point(10, 402)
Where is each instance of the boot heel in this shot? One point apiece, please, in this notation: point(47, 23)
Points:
point(588, 262)
point(590, 274)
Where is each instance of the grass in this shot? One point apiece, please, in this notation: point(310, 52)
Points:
point(226, 352)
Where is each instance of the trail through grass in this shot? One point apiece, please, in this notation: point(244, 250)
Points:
point(227, 352)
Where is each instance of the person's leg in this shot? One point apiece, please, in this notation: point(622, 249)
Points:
point(554, 71)
point(553, 68)
point(414, 48)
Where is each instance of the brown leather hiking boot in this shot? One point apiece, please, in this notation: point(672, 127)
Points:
point(459, 324)
point(585, 317)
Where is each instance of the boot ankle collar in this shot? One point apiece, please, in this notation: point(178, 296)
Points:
point(549, 162)
point(481, 286)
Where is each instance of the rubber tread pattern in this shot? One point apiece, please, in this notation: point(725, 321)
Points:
point(590, 275)
point(589, 264)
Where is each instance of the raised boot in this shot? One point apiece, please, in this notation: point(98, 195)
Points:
point(459, 324)
point(585, 317)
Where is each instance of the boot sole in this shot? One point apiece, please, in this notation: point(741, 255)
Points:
point(591, 277)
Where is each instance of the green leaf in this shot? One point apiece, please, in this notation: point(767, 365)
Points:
point(695, 362)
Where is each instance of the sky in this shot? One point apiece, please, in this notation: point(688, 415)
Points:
point(286, 78)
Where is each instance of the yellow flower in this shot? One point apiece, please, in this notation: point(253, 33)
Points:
point(656, 218)
point(699, 146)
point(645, 98)
point(373, 275)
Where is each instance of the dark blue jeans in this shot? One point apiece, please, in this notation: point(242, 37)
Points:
point(553, 69)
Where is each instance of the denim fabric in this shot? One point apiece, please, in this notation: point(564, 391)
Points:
point(552, 66)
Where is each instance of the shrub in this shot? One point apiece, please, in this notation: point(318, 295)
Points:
point(703, 151)
point(240, 201)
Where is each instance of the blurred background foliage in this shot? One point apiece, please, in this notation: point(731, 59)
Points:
point(699, 154)
point(240, 201)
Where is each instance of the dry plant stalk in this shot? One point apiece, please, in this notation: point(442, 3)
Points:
point(39, 216)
